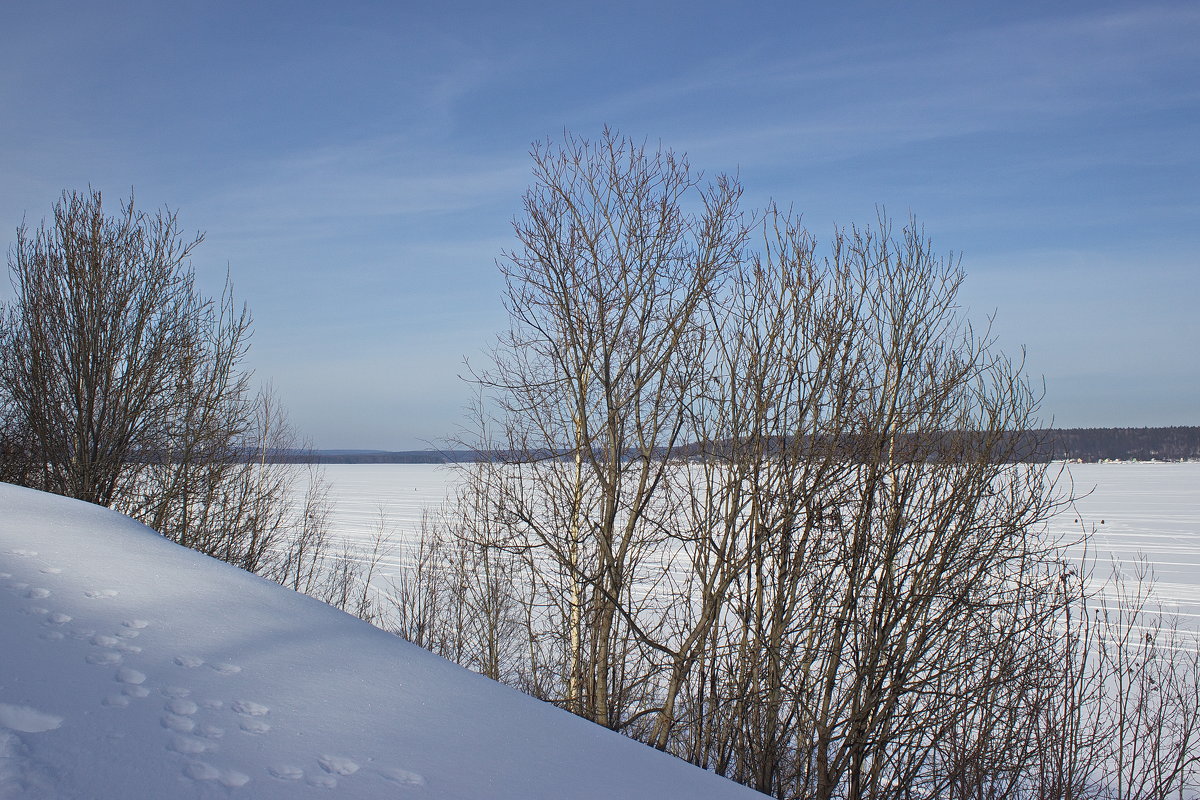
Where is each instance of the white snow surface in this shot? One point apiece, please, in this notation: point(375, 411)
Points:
point(133, 668)
point(1143, 511)
point(1135, 510)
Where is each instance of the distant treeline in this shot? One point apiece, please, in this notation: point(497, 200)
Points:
point(398, 457)
point(1178, 443)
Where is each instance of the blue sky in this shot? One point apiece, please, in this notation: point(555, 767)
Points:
point(356, 165)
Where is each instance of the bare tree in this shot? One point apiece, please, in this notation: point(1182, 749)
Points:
point(605, 295)
point(121, 384)
point(225, 490)
point(17, 463)
point(105, 315)
point(768, 505)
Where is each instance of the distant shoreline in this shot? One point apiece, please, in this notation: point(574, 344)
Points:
point(1088, 445)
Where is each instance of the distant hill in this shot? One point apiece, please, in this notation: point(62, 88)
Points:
point(1179, 443)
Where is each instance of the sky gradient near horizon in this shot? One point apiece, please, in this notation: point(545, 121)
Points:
point(357, 168)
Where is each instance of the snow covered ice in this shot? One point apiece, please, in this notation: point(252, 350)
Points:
point(133, 668)
point(1138, 510)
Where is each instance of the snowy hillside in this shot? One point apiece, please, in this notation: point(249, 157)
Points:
point(132, 668)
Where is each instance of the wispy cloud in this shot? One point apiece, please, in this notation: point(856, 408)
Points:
point(364, 181)
point(838, 101)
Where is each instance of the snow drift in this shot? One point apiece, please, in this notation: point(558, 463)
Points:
point(133, 668)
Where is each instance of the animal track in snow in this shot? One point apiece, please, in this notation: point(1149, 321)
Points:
point(190, 662)
point(52, 636)
point(232, 779)
point(57, 618)
point(136, 624)
point(174, 722)
point(249, 709)
point(100, 640)
point(35, 611)
point(402, 777)
point(126, 633)
point(182, 707)
point(337, 765)
point(104, 658)
point(286, 772)
point(37, 593)
point(136, 691)
point(81, 633)
point(212, 705)
point(51, 570)
point(24, 719)
point(116, 701)
point(175, 691)
point(100, 594)
point(132, 649)
point(199, 771)
point(255, 726)
point(189, 745)
point(322, 781)
point(24, 553)
point(130, 676)
point(225, 669)
point(210, 731)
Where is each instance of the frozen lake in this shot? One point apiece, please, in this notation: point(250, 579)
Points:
point(1149, 510)
point(1138, 509)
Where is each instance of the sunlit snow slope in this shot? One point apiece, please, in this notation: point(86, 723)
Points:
point(132, 668)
